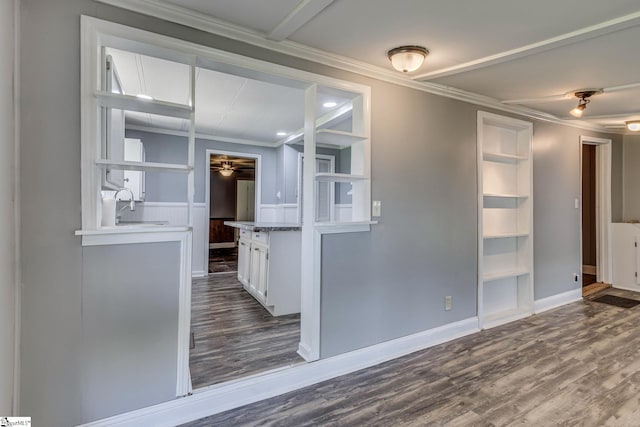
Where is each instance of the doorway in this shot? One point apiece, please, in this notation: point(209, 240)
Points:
point(589, 259)
point(595, 214)
point(232, 197)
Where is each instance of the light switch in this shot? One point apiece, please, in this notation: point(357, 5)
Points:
point(577, 203)
point(377, 208)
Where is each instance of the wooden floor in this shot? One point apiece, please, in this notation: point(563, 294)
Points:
point(234, 335)
point(578, 365)
point(223, 260)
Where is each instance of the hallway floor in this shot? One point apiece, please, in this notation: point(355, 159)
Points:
point(234, 335)
point(575, 365)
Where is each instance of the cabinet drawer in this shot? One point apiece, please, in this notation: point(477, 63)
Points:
point(261, 237)
point(246, 234)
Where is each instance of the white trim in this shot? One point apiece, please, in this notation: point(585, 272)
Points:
point(153, 129)
point(304, 12)
point(581, 34)
point(604, 252)
point(626, 288)
point(17, 242)
point(332, 189)
point(557, 300)
point(200, 22)
point(231, 395)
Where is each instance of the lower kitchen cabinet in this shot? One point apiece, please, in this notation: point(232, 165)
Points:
point(269, 269)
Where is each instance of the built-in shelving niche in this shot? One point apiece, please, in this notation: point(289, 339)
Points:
point(505, 212)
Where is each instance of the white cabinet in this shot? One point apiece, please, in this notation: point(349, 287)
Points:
point(259, 269)
point(244, 260)
point(269, 269)
point(505, 213)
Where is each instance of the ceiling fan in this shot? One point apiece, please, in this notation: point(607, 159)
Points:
point(227, 168)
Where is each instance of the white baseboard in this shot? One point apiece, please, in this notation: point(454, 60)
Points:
point(627, 287)
point(199, 274)
point(558, 300)
point(242, 392)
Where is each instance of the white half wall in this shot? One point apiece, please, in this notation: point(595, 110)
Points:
point(7, 218)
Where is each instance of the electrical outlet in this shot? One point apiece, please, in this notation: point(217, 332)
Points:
point(377, 208)
point(576, 277)
point(448, 302)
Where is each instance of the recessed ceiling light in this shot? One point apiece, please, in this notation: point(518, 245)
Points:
point(281, 133)
point(633, 125)
point(145, 97)
point(329, 104)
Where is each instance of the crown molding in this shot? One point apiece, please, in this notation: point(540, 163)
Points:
point(192, 19)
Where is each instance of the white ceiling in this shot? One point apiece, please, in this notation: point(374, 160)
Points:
point(507, 50)
point(228, 106)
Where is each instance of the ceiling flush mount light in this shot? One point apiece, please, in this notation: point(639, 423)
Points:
point(583, 96)
point(407, 58)
point(226, 170)
point(281, 133)
point(633, 125)
point(329, 104)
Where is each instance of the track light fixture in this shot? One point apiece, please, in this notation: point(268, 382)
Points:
point(583, 96)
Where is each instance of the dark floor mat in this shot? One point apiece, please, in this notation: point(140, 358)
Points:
point(617, 301)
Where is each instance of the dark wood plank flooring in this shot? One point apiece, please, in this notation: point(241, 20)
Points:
point(234, 335)
point(223, 260)
point(577, 365)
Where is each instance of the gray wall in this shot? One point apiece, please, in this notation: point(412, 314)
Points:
point(129, 327)
point(171, 187)
point(7, 279)
point(631, 177)
point(423, 249)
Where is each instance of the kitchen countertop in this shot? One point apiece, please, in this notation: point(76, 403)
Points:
point(264, 226)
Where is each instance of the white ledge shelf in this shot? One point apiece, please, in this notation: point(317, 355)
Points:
point(339, 177)
point(133, 103)
point(506, 195)
point(505, 235)
point(343, 227)
point(143, 166)
point(337, 137)
point(504, 275)
point(501, 157)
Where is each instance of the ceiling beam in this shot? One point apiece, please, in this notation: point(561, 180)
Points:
point(300, 15)
point(581, 34)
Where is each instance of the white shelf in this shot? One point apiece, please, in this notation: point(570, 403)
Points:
point(505, 284)
point(503, 158)
point(506, 196)
point(337, 137)
point(133, 103)
point(504, 275)
point(339, 177)
point(143, 166)
point(506, 235)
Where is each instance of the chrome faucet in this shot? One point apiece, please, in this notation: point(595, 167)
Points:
point(132, 203)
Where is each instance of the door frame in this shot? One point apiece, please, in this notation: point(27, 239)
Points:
point(604, 260)
point(332, 190)
point(207, 190)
